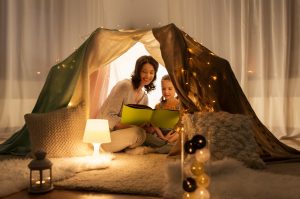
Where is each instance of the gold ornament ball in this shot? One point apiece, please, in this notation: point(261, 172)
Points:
point(202, 155)
point(200, 193)
point(203, 180)
point(197, 168)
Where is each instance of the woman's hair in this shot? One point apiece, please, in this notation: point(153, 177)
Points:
point(136, 76)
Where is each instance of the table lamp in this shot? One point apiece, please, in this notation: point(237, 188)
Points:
point(96, 132)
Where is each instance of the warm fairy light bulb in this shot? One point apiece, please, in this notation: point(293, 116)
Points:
point(214, 77)
point(208, 62)
point(202, 155)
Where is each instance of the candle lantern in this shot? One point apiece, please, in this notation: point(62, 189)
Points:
point(40, 174)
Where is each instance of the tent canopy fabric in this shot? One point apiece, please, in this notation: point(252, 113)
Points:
point(203, 81)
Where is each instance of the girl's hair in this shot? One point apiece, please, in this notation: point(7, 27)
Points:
point(136, 76)
point(165, 77)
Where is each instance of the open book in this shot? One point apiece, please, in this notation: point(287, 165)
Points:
point(137, 114)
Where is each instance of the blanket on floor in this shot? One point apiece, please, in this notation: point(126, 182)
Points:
point(152, 174)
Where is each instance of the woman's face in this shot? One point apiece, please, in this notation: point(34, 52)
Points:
point(168, 90)
point(147, 74)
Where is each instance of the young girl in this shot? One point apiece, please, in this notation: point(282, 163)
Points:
point(162, 139)
point(168, 101)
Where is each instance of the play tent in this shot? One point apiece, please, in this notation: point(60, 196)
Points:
point(203, 81)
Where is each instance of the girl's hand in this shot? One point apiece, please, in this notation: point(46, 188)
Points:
point(172, 136)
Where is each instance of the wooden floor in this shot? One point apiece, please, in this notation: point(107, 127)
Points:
point(64, 194)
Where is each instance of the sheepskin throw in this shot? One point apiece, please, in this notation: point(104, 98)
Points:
point(229, 135)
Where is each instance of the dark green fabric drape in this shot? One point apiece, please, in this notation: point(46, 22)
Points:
point(56, 93)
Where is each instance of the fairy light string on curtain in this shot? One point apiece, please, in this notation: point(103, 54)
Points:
point(197, 155)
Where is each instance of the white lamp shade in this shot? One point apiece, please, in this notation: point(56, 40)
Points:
point(96, 131)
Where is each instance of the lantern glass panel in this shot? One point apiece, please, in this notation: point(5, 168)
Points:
point(41, 180)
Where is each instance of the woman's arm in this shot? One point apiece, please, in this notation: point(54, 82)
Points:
point(111, 108)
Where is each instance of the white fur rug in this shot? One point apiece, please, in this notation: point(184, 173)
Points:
point(148, 175)
point(15, 172)
point(230, 179)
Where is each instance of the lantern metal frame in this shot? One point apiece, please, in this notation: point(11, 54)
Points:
point(41, 166)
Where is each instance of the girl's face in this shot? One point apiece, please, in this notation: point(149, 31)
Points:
point(147, 74)
point(168, 90)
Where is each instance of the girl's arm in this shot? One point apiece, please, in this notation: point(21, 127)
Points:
point(159, 133)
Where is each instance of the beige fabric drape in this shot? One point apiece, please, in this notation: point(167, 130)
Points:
point(104, 47)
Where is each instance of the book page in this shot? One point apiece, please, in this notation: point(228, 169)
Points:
point(165, 118)
point(159, 117)
point(135, 116)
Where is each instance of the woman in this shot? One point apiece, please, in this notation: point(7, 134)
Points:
point(128, 91)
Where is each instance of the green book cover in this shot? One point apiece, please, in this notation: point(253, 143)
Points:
point(136, 114)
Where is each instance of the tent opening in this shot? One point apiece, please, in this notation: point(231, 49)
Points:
point(123, 66)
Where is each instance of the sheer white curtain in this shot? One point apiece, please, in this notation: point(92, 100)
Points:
point(35, 34)
point(260, 38)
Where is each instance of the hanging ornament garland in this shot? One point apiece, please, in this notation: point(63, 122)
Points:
point(196, 181)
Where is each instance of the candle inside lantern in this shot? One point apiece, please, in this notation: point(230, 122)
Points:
point(39, 182)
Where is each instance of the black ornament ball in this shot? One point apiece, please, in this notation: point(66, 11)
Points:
point(189, 184)
point(199, 141)
point(189, 147)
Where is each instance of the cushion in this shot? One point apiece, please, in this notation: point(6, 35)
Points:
point(228, 135)
point(59, 133)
